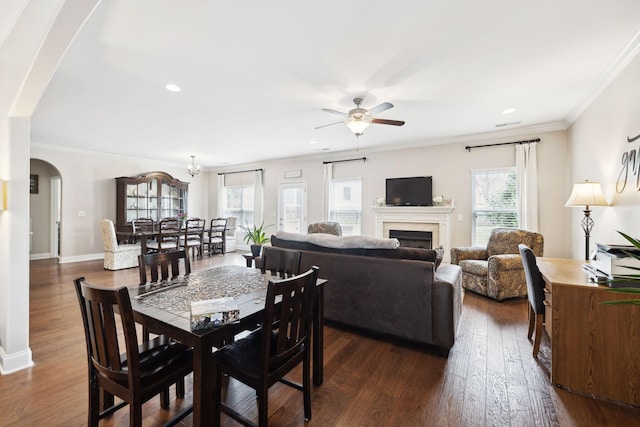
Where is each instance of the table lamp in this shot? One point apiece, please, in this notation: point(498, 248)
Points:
point(586, 193)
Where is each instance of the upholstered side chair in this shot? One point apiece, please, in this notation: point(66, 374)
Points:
point(327, 227)
point(496, 271)
point(116, 256)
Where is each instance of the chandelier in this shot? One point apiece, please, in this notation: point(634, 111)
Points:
point(192, 168)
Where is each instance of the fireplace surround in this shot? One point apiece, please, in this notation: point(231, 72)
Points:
point(433, 219)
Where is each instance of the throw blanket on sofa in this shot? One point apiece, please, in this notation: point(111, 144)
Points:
point(341, 242)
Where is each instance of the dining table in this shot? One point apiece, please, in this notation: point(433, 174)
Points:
point(164, 308)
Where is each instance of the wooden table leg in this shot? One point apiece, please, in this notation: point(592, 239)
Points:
point(203, 385)
point(318, 336)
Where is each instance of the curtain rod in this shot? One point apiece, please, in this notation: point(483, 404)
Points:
point(468, 148)
point(364, 159)
point(248, 170)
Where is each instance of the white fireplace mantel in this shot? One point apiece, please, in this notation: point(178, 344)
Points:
point(431, 218)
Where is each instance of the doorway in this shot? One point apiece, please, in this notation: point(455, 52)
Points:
point(292, 207)
point(45, 219)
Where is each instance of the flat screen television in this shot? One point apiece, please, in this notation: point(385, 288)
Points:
point(414, 191)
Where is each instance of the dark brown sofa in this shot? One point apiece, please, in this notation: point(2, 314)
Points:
point(395, 292)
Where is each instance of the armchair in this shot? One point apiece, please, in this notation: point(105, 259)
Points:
point(496, 271)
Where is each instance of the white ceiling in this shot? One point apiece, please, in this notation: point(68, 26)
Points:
point(255, 75)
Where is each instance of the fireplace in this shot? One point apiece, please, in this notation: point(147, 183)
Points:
point(413, 239)
point(418, 221)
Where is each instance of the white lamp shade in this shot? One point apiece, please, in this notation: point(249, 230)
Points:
point(586, 193)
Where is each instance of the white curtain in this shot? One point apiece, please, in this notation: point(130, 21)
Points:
point(527, 181)
point(258, 198)
point(220, 196)
point(326, 190)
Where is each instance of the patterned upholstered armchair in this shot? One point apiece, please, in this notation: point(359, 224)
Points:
point(496, 271)
point(116, 256)
point(325, 227)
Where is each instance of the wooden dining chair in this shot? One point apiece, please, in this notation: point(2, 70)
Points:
point(142, 225)
point(136, 374)
point(157, 267)
point(535, 294)
point(215, 239)
point(267, 354)
point(169, 230)
point(162, 266)
point(193, 236)
point(280, 262)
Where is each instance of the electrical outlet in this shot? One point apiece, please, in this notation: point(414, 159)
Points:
point(81, 213)
point(460, 218)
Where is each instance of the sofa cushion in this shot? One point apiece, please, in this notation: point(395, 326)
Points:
point(341, 242)
point(301, 242)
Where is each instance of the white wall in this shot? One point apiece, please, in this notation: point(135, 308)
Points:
point(597, 141)
point(89, 186)
point(450, 166)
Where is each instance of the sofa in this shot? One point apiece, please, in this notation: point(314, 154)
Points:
point(378, 287)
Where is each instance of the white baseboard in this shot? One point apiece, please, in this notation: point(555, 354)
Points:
point(78, 258)
point(46, 255)
point(14, 362)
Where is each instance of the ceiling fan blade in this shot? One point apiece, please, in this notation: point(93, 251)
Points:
point(327, 110)
point(330, 124)
point(387, 122)
point(380, 108)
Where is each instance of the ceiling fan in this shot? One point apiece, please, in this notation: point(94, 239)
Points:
point(358, 119)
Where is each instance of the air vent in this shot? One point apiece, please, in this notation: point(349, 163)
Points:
point(501, 125)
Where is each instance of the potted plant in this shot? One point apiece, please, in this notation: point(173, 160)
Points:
point(256, 237)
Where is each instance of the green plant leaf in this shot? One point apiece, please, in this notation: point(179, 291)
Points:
point(255, 234)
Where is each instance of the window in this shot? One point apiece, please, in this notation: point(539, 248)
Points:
point(237, 201)
point(494, 202)
point(345, 205)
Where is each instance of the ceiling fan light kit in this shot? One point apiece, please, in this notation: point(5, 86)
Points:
point(357, 126)
point(359, 119)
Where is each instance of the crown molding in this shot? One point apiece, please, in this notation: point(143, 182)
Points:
point(619, 63)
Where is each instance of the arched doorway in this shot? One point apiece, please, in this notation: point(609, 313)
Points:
point(44, 211)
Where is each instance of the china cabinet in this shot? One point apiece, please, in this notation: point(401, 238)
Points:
point(153, 195)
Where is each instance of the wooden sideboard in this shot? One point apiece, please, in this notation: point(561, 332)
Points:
point(595, 348)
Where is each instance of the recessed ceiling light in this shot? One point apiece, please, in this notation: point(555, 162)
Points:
point(313, 142)
point(508, 111)
point(172, 88)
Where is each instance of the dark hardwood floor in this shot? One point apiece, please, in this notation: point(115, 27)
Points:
point(489, 378)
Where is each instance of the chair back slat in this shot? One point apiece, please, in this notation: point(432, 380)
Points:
point(162, 266)
point(288, 309)
point(280, 262)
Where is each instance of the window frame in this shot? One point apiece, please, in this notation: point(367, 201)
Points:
point(476, 239)
point(347, 228)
